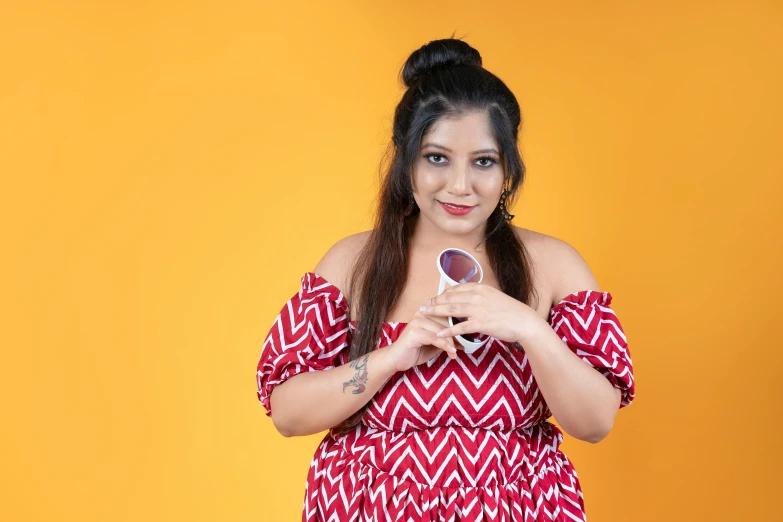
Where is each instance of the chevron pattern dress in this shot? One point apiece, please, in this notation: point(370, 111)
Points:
point(447, 440)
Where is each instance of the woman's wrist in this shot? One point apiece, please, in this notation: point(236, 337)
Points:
point(533, 328)
point(385, 366)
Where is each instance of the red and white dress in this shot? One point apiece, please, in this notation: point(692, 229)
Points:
point(447, 440)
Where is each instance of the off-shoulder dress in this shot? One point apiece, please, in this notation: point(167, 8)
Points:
point(465, 439)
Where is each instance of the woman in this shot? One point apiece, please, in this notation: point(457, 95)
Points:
point(419, 429)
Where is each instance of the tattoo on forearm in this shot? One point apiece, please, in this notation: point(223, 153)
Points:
point(360, 379)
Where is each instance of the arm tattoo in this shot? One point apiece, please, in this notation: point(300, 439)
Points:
point(360, 379)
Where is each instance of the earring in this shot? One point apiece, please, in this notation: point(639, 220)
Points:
point(503, 210)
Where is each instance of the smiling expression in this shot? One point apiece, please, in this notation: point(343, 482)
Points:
point(458, 175)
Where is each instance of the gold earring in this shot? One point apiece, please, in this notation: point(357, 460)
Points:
point(503, 210)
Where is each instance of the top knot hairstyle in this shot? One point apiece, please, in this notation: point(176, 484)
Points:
point(443, 78)
point(438, 54)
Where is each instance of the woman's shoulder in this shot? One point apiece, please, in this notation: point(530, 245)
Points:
point(563, 267)
point(531, 237)
point(337, 263)
point(543, 248)
point(539, 240)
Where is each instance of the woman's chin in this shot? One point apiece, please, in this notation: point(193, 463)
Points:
point(457, 226)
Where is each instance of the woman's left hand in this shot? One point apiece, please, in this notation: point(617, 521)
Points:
point(488, 311)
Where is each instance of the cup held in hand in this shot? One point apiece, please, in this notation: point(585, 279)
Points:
point(456, 267)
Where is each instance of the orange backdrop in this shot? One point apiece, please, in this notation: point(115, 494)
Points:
point(170, 170)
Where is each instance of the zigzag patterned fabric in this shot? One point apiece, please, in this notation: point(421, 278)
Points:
point(448, 440)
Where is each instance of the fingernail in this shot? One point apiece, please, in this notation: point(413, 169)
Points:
point(429, 301)
point(422, 309)
point(441, 333)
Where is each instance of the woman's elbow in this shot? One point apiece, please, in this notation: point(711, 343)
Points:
point(595, 431)
point(592, 434)
point(596, 436)
point(599, 430)
point(290, 427)
point(280, 426)
point(279, 420)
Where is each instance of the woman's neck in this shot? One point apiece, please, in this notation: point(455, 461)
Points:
point(430, 237)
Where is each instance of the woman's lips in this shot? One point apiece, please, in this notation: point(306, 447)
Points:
point(456, 210)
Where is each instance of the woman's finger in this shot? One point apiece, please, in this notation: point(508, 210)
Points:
point(428, 337)
point(443, 344)
point(454, 297)
point(434, 325)
point(462, 287)
point(465, 327)
point(447, 310)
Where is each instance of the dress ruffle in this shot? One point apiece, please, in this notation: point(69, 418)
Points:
point(443, 474)
point(310, 333)
point(591, 329)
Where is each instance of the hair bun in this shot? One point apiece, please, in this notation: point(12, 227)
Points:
point(448, 52)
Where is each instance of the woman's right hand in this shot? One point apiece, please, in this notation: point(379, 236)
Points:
point(418, 343)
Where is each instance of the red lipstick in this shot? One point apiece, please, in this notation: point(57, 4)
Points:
point(456, 210)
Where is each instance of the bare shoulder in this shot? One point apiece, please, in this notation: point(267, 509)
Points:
point(564, 269)
point(532, 239)
point(336, 264)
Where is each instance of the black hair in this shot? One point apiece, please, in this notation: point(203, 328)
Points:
point(443, 78)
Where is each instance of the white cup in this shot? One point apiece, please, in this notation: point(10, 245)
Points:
point(470, 346)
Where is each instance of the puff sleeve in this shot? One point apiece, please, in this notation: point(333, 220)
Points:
point(310, 333)
point(590, 328)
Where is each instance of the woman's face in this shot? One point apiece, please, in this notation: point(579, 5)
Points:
point(459, 164)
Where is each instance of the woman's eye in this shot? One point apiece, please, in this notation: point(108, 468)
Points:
point(491, 161)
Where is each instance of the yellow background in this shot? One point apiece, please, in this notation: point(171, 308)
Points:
point(171, 169)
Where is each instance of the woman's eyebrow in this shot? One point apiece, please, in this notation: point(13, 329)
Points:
point(449, 150)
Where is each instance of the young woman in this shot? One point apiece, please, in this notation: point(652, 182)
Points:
point(420, 429)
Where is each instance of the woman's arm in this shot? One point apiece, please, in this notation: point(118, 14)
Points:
point(315, 401)
point(582, 400)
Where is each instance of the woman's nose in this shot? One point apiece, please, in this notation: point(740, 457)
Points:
point(459, 180)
